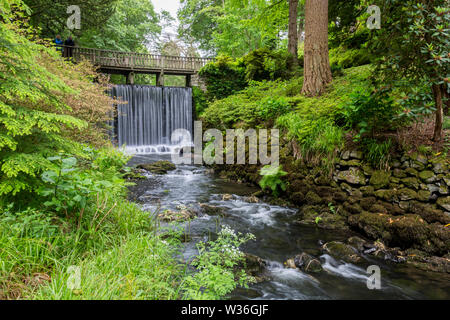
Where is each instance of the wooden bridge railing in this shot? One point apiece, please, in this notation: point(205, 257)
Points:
point(137, 61)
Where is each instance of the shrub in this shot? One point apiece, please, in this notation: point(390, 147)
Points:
point(200, 100)
point(369, 112)
point(265, 64)
point(223, 77)
point(271, 107)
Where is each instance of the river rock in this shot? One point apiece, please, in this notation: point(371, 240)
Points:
point(342, 251)
point(158, 167)
point(210, 209)
point(307, 263)
point(183, 214)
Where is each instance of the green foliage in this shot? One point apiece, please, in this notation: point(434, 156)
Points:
point(200, 101)
point(223, 77)
point(216, 267)
point(369, 112)
point(271, 177)
point(265, 64)
point(413, 49)
point(271, 108)
point(347, 58)
point(377, 153)
point(29, 132)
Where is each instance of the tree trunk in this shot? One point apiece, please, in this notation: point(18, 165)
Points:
point(438, 94)
point(292, 32)
point(317, 73)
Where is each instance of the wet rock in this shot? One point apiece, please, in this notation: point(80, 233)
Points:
point(227, 197)
point(342, 251)
point(210, 209)
point(421, 260)
point(290, 264)
point(158, 167)
point(255, 267)
point(357, 243)
point(307, 263)
point(251, 199)
point(379, 179)
point(352, 176)
point(183, 214)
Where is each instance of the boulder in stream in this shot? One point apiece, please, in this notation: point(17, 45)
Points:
point(158, 167)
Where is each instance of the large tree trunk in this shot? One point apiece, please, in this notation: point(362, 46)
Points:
point(317, 72)
point(438, 95)
point(292, 32)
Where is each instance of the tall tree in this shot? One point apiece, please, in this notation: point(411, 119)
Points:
point(317, 72)
point(292, 30)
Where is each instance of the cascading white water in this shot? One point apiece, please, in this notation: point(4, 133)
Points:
point(146, 122)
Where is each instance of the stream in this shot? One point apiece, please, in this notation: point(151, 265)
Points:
point(278, 238)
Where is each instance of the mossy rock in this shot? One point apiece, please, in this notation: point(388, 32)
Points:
point(184, 214)
point(423, 195)
point(412, 172)
point(399, 173)
point(427, 176)
point(307, 263)
point(379, 179)
point(411, 182)
point(444, 202)
point(158, 167)
point(342, 251)
point(406, 194)
point(386, 194)
point(352, 176)
point(312, 198)
point(367, 191)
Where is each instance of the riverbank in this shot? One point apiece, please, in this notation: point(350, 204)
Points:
point(216, 201)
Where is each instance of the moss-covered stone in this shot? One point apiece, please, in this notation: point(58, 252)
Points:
point(427, 176)
point(412, 172)
point(444, 202)
point(423, 195)
point(158, 167)
point(367, 191)
point(312, 198)
point(399, 173)
point(411, 182)
point(406, 194)
point(342, 251)
point(379, 179)
point(387, 194)
point(352, 176)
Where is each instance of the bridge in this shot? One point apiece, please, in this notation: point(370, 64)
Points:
point(131, 63)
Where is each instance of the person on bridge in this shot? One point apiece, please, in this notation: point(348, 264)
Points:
point(58, 43)
point(68, 50)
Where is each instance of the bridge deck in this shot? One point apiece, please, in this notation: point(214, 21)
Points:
point(111, 61)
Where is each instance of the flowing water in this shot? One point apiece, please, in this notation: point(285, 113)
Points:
point(144, 125)
point(278, 238)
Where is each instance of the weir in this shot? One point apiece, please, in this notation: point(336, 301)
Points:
point(146, 122)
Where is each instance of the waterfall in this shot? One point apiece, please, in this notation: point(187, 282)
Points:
point(146, 122)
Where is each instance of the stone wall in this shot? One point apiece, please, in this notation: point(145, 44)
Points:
point(407, 206)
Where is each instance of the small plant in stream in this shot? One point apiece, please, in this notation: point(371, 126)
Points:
point(272, 178)
point(218, 267)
